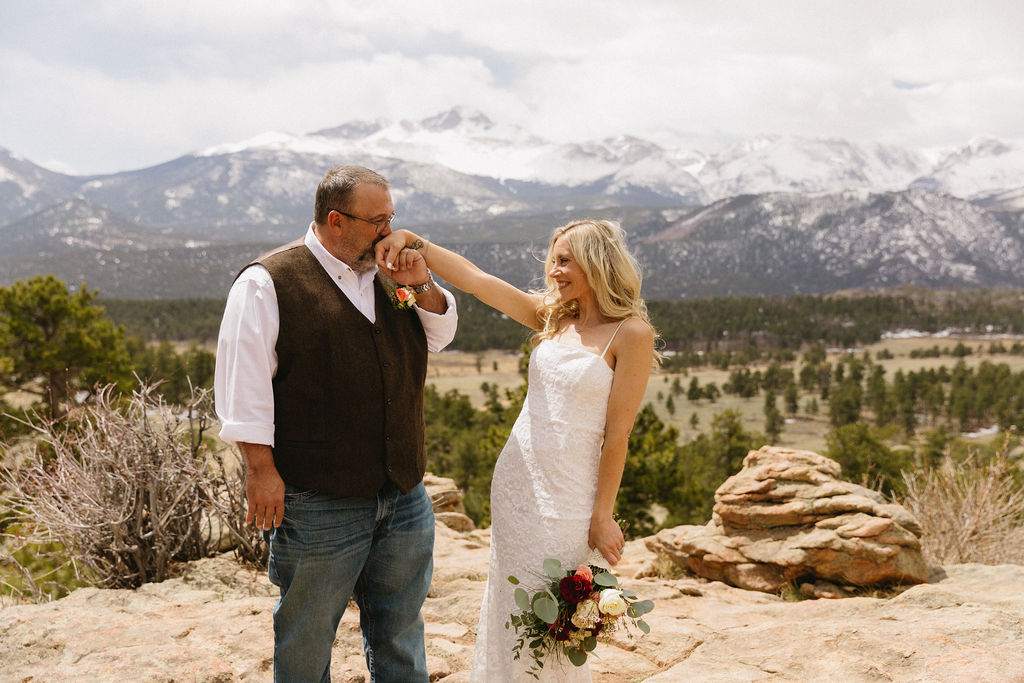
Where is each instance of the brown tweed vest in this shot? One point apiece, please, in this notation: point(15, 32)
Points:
point(348, 393)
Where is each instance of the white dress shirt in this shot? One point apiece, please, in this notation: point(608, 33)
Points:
point(246, 346)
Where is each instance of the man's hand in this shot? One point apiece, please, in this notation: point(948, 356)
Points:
point(397, 255)
point(264, 488)
point(408, 267)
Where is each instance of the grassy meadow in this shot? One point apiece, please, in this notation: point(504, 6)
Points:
point(466, 372)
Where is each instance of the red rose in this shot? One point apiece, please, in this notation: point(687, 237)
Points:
point(575, 588)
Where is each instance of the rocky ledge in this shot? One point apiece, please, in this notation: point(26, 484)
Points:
point(213, 623)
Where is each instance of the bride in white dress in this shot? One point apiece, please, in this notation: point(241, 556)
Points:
point(556, 480)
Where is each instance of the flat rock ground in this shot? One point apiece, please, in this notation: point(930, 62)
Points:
point(214, 624)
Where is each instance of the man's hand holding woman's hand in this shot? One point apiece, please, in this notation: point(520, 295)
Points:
point(403, 263)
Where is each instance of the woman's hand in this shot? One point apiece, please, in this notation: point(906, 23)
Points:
point(606, 536)
point(390, 247)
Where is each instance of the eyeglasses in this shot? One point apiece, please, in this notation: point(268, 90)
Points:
point(379, 225)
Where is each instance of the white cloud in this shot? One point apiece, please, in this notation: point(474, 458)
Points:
point(111, 84)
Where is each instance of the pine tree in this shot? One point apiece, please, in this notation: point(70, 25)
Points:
point(56, 343)
point(792, 399)
point(773, 419)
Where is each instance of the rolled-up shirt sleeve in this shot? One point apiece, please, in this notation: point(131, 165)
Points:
point(440, 327)
point(247, 359)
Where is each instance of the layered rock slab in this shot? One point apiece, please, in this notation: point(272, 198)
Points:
point(788, 519)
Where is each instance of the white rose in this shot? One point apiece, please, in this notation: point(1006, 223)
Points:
point(612, 603)
point(586, 614)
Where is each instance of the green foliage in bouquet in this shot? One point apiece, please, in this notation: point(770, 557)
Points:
point(566, 617)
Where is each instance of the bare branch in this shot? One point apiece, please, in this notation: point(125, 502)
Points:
point(129, 487)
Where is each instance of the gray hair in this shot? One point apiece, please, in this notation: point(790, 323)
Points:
point(337, 186)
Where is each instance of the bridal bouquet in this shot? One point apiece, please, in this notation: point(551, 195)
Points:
point(566, 617)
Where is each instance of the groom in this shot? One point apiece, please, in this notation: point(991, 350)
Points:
point(319, 380)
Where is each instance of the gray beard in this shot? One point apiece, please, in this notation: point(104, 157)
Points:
point(364, 262)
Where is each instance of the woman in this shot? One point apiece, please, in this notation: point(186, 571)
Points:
point(557, 477)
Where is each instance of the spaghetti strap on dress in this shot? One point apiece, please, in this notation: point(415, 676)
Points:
point(609, 344)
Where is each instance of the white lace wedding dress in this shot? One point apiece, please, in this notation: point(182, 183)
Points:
point(542, 496)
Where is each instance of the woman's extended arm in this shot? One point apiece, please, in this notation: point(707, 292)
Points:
point(461, 273)
point(633, 349)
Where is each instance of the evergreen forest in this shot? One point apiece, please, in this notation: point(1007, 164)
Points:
point(59, 346)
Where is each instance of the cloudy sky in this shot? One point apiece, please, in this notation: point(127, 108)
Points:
point(94, 86)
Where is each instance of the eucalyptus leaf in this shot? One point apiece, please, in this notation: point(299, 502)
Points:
point(546, 608)
point(628, 594)
point(590, 643)
point(577, 657)
point(605, 579)
point(553, 568)
point(643, 607)
point(513, 580)
point(522, 599)
point(642, 625)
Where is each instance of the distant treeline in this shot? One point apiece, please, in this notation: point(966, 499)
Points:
point(195, 320)
point(724, 325)
point(793, 321)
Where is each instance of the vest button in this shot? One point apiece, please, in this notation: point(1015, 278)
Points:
point(387, 364)
point(387, 401)
point(389, 468)
point(387, 437)
point(376, 330)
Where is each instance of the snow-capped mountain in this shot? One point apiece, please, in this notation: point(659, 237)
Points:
point(266, 192)
point(783, 243)
point(468, 142)
point(981, 169)
point(462, 165)
point(769, 214)
point(790, 164)
point(26, 187)
point(77, 224)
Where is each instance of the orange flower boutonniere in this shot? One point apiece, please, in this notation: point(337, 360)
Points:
point(404, 298)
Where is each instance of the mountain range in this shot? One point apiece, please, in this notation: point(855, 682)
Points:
point(766, 215)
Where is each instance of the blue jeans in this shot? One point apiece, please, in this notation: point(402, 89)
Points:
point(329, 548)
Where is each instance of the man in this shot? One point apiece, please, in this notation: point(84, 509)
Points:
point(319, 381)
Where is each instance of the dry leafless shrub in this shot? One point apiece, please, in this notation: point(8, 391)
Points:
point(970, 511)
point(129, 487)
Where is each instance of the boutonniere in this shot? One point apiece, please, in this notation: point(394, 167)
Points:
point(404, 298)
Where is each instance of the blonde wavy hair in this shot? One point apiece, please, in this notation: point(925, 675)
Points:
point(599, 248)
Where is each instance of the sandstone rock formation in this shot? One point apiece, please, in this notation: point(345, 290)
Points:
point(447, 500)
point(214, 624)
point(787, 518)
